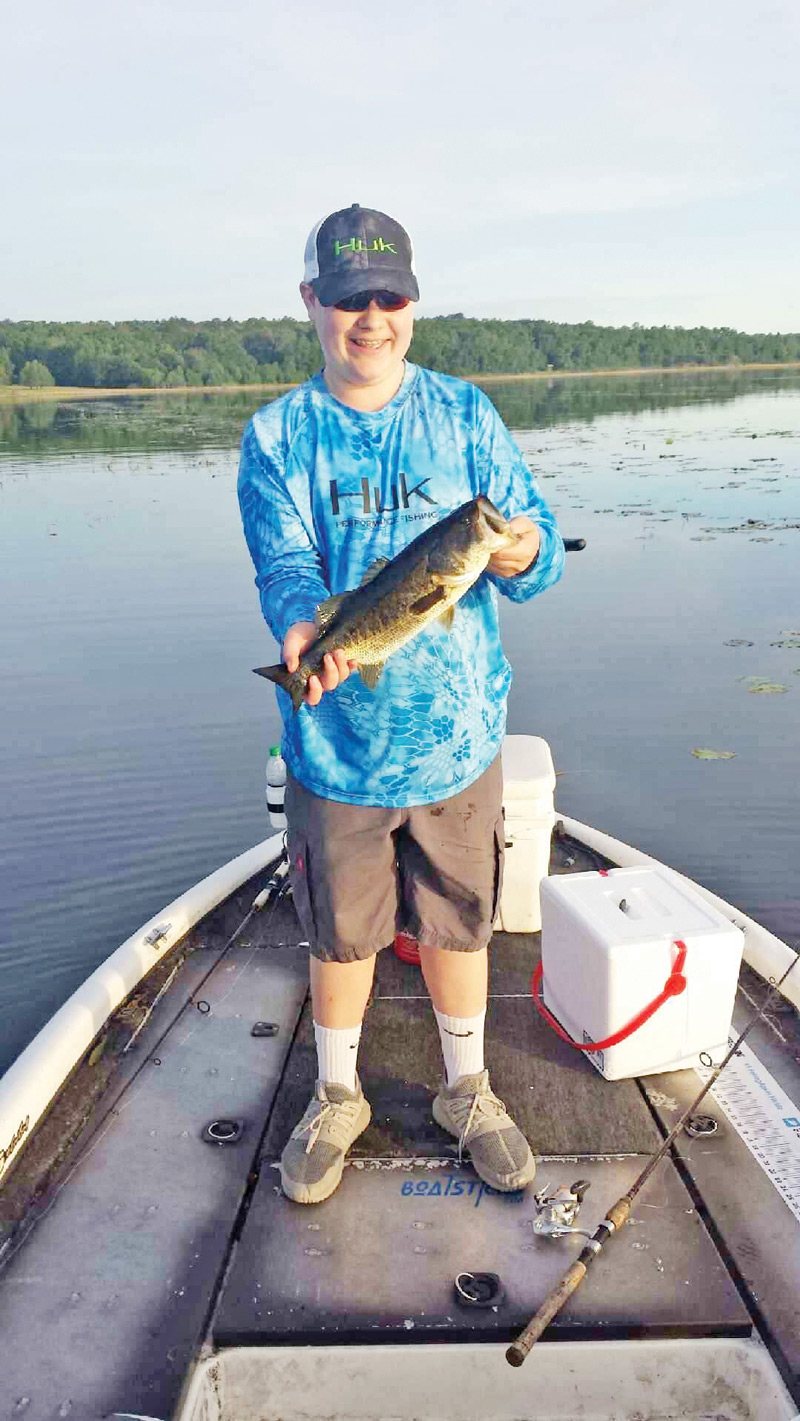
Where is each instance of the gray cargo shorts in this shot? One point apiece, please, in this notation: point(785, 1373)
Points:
point(362, 874)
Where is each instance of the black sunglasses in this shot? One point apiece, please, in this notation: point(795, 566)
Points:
point(384, 300)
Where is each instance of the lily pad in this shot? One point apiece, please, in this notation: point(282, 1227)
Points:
point(790, 640)
point(738, 641)
point(762, 686)
point(703, 754)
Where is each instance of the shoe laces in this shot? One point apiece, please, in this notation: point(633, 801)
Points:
point(484, 1102)
point(328, 1111)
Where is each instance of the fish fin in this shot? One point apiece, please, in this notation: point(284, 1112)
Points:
point(374, 568)
point(447, 618)
point(371, 674)
point(290, 682)
point(327, 610)
point(427, 601)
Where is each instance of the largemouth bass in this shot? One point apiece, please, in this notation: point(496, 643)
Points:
point(398, 598)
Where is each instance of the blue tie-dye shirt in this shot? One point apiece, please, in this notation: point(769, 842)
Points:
point(324, 490)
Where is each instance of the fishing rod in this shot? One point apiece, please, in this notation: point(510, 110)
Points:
point(618, 1215)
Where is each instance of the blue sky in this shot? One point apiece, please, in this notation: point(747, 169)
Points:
point(608, 161)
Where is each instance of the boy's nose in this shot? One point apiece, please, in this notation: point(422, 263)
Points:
point(368, 316)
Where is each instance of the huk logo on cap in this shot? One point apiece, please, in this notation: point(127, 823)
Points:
point(356, 245)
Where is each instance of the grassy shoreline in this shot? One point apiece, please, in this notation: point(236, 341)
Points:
point(20, 394)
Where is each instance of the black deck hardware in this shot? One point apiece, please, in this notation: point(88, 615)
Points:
point(223, 1132)
point(701, 1125)
point(478, 1290)
point(264, 1028)
point(574, 545)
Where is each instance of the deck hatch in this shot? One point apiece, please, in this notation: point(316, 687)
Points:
point(378, 1260)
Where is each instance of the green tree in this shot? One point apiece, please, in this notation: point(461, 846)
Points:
point(36, 373)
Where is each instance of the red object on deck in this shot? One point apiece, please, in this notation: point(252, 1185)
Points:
point(406, 948)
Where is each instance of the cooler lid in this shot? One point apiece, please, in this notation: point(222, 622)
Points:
point(637, 904)
point(528, 771)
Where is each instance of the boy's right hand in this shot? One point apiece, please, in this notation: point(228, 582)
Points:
point(336, 667)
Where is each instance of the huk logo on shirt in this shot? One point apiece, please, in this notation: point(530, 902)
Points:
point(370, 499)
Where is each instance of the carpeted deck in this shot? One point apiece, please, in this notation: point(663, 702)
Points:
point(557, 1098)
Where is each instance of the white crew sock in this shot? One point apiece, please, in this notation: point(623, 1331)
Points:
point(462, 1044)
point(337, 1050)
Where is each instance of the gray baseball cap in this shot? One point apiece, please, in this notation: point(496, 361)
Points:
point(359, 249)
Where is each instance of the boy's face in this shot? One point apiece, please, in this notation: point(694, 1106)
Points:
point(362, 349)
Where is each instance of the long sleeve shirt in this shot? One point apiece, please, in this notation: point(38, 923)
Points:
point(324, 490)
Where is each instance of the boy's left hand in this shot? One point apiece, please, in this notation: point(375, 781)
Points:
point(511, 561)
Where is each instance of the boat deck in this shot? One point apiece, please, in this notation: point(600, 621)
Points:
point(151, 1240)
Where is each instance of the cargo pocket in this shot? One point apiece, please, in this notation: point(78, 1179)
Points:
point(300, 877)
point(499, 861)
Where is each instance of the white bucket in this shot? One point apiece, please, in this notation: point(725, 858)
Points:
point(608, 947)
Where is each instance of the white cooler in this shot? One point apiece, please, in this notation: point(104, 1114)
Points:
point(528, 784)
point(608, 947)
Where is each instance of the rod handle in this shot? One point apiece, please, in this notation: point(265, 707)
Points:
point(521, 1345)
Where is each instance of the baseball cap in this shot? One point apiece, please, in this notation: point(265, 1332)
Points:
point(359, 249)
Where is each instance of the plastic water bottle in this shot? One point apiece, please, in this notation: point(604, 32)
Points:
point(276, 785)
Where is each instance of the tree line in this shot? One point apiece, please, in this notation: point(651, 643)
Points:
point(178, 352)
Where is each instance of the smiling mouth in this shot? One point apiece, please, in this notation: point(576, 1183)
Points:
point(365, 344)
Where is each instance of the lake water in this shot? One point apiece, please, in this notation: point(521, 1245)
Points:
point(134, 734)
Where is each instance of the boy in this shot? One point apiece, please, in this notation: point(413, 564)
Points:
point(394, 795)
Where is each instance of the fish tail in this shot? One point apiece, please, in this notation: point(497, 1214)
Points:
point(290, 681)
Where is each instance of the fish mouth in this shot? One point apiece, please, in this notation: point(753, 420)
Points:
point(492, 515)
point(497, 523)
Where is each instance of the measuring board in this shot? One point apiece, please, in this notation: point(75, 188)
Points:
point(764, 1117)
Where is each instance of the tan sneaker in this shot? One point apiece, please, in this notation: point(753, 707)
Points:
point(313, 1159)
point(471, 1111)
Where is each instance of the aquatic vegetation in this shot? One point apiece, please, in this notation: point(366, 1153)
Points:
point(762, 686)
point(704, 754)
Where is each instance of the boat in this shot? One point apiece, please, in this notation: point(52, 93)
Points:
point(151, 1268)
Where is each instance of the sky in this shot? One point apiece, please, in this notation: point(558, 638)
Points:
point(613, 162)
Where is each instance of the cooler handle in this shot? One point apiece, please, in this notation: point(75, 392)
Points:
point(674, 985)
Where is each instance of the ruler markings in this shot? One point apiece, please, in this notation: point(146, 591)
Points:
point(765, 1118)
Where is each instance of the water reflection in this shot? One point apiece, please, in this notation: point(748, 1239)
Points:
point(135, 424)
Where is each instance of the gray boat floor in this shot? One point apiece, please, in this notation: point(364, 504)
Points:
point(152, 1241)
